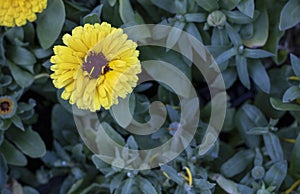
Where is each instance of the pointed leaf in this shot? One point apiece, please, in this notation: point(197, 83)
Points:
point(18, 122)
point(291, 94)
point(12, 155)
point(167, 5)
point(229, 4)
point(29, 142)
point(126, 11)
point(257, 53)
point(233, 35)
point(3, 171)
point(237, 163)
point(260, 35)
point(127, 188)
point(273, 147)
point(246, 7)
point(146, 186)
point(22, 77)
point(259, 75)
point(236, 17)
point(295, 158)
point(276, 174)
point(290, 15)
point(172, 173)
point(225, 56)
point(174, 34)
point(50, 23)
point(279, 105)
point(295, 64)
point(208, 5)
point(21, 56)
point(242, 70)
point(195, 17)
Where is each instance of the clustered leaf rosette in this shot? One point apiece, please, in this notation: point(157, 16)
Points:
point(17, 12)
point(97, 65)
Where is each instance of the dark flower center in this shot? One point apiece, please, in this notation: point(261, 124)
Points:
point(95, 64)
point(5, 106)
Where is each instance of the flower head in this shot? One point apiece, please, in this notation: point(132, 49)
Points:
point(17, 12)
point(8, 107)
point(97, 65)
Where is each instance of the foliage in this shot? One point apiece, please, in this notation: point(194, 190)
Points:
point(254, 43)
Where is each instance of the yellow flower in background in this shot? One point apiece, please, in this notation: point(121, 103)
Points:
point(17, 12)
point(8, 107)
point(97, 65)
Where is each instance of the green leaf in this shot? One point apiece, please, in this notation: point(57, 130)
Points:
point(275, 34)
point(112, 2)
point(167, 5)
point(229, 75)
point(273, 147)
point(260, 35)
point(146, 186)
point(295, 61)
point(259, 75)
point(22, 77)
point(209, 6)
point(229, 4)
point(219, 37)
point(42, 53)
point(94, 16)
point(3, 171)
point(131, 143)
point(113, 134)
point(193, 30)
point(99, 164)
point(258, 130)
point(181, 6)
point(258, 161)
point(116, 182)
point(242, 70)
point(174, 34)
point(61, 119)
point(236, 17)
point(291, 94)
point(295, 158)
point(172, 173)
point(195, 17)
point(127, 187)
point(225, 56)
point(5, 80)
point(126, 11)
point(246, 7)
point(276, 174)
point(228, 185)
point(29, 142)
point(257, 53)
point(29, 190)
point(18, 122)
point(21, 56)
point(246, 31)
point(54, 14)
point(290, 15)
point(233, 35)
point(279, 105)
point(237, 163)
point(247, 118)
point(12, 155)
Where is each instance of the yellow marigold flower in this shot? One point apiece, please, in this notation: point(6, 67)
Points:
point(17, 12)
point(97, 65)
